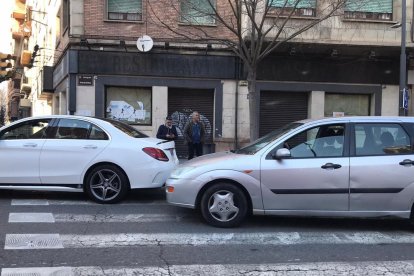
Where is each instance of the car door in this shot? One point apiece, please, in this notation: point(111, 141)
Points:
point(314, 177)
point(20, 147)
point(70, 150)
point(381, 167)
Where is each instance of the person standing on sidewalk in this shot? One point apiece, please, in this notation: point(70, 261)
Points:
point(194, 135)
point(167, 131)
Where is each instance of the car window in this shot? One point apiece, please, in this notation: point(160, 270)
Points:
point(97, 134)
point(34, 129)
point(72, 129)
point(381, 139)
point(321, 141)
point(125, 128)
point(267, 139)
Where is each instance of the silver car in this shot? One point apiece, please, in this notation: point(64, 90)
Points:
point(335, 167)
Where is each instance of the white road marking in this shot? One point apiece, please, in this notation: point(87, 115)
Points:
point(33, 241)
point(99, 218)
point(31, 218)
point(38, 271)
point(24, 202)
point(17, 241)
point(319, 268)
point(201, 239)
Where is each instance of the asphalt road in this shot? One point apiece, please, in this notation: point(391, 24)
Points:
point(48, 233)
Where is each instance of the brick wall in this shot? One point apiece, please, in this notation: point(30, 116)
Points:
point(96, 23)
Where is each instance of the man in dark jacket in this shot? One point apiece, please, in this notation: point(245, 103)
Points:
point(167, 131)
point(194, 135)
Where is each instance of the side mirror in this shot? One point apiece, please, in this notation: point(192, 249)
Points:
point(282, 154)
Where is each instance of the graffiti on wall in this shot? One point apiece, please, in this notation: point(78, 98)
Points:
point(180, 119)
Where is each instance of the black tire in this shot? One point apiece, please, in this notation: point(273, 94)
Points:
point(224, 205)
point(106, 184)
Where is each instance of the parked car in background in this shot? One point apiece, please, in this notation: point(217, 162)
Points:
point(334, 167)
point(103, 157)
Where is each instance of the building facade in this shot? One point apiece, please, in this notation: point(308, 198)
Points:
point(90, 61)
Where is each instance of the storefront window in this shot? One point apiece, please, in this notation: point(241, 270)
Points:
point(130, 105)
point(346, 105)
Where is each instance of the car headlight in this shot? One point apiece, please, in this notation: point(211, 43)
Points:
point(180, 171)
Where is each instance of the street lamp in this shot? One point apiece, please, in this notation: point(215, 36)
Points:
point(403, 95)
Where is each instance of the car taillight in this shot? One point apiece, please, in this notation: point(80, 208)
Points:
point(156, 154)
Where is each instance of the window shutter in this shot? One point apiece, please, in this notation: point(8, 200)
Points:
point(302, 4)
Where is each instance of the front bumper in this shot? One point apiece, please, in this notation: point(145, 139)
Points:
point(184, 192)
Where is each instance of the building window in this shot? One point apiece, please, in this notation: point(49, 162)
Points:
point(304, 8)
point(129, 10)
point(369, 10)
point(65, 15)
point(200, 12)
point(347, 105)
point(130, 105)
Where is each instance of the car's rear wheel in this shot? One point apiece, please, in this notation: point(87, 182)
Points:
point(106, 184)
point(224, 205)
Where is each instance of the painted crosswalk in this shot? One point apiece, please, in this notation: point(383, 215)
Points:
point(42, 241)
point(320, 268)
point(35, 202)
point(58, 237)
point(90, 218)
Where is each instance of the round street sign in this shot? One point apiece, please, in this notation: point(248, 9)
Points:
point(144, 43)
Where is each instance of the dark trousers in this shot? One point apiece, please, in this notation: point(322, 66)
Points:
point(197, 148)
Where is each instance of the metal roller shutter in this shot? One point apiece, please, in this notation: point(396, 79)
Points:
point(280, 108)
point(181, 103)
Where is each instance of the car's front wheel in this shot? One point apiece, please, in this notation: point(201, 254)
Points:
point(106, 184)
point(224, 205)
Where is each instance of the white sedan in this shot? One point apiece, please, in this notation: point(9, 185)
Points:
point(102, 157)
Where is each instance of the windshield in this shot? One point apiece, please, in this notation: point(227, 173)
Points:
point(125, 128)
point(268, 138)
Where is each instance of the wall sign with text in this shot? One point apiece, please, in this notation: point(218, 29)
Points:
point(85, 80)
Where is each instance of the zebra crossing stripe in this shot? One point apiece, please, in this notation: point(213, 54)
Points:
point(204, 239)
point(33, 202)
point(33, 241)
point(29, 202)
point(319, 268)
point(98, 218)
point(31, 218)
point(45, 241)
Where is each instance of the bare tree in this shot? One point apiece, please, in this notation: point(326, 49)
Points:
point(252, 28)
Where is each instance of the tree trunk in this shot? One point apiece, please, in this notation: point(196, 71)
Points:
point(254, 104)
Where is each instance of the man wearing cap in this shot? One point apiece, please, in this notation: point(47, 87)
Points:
point(167, 131)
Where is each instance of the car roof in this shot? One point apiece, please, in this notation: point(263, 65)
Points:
point(91, 119)
point(59, 117)
point(359, 119)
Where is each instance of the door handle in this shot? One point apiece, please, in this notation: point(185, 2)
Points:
point(30, 145)
point(333, 166)
point(406, 162)
point(90, 147)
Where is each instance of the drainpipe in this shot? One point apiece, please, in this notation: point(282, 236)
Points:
point(236, 138)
